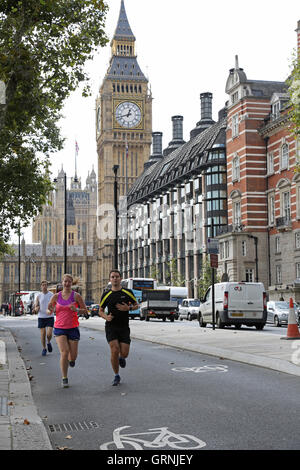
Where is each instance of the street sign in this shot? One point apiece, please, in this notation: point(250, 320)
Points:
point(213, 246)
point(213, 261)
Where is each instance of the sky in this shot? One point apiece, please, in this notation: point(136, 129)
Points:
point(184, 49)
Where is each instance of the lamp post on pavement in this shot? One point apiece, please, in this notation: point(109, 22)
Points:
point(115, 170)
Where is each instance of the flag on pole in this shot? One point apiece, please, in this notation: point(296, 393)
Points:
point(76, 146)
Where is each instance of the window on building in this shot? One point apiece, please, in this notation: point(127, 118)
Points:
point(277, 244)
point(237, 213)
point(244, 248)
point(278, 274)
point(284, 156)
point(297, 240)
point(226, 249)
point(70, 238)
point(83, 231)
point(249, 275)
point(276, 110)
point(286, 205)
point(297, 270)
point(38, 274)
point(235, 125)
point(270, 163)
point(271, 209)
point(6, 273)
point(236, 168)
point(235, 97)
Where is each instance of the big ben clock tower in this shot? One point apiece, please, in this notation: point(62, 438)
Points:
point(123, 133)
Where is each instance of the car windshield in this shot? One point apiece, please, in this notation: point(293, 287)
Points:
point(194, 303)
point(282, 305)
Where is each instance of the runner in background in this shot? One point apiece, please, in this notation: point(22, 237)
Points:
point(45, 321)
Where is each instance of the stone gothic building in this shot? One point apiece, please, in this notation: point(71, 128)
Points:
point(44, 258)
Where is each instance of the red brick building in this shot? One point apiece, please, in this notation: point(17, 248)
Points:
point(263, 238)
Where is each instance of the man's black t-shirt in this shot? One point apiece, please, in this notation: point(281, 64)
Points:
point(110, 298)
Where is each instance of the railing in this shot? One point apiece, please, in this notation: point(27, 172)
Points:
point(283, 222)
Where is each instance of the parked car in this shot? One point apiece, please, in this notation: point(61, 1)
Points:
point(278, 312)
point(94, 310)
point(189, 309)
point(297, 305)
point(236, 303)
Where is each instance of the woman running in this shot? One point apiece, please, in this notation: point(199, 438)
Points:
point(66, 325)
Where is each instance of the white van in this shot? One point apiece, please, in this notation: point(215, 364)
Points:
point(236, 303)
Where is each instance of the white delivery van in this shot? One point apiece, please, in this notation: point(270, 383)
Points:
point(236, 303)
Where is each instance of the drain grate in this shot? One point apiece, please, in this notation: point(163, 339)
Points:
point(3, 406)
point(67, 427)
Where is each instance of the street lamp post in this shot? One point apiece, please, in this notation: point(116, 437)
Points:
point(65, 218)
point(115, 170)
point(65, 222)
point(19, 258)
point(256, 255)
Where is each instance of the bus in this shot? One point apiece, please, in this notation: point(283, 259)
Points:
point(138, 285)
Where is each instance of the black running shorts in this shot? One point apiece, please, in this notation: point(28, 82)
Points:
point(122, 334)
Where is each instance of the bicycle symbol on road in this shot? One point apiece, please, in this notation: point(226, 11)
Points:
point(163, 438)
point(200, 369)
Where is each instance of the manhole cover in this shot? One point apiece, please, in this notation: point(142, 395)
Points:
point(80, 426)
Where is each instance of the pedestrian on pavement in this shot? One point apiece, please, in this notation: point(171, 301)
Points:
point(66, 325)
point(118, 302)
point(45, 321)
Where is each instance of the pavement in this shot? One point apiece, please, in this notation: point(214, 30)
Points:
point(21, 428)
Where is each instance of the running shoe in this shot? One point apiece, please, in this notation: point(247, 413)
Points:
point(122, 362)
point(49, 347)
point(72, 363)
point(65, 383)
point(117, 380)
point(44, 352)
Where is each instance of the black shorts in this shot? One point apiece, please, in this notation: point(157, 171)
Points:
point(121, 333)
point(44, 322)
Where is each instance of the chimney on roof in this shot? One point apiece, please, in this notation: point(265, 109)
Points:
point(157, 144)
point(206, 114)
point(156, 149)
point(206, 105)
point(177, 140)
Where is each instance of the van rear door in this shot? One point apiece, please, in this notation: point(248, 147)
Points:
point(245, 300)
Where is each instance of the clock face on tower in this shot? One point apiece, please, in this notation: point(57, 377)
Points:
point(128, 114)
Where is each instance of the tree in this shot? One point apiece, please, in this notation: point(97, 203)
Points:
point(44, 45)
point(176, 278)
point(206, 277)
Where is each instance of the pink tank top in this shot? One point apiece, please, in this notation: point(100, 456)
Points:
point(65, 317)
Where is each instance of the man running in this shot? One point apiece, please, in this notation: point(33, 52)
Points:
point(118, 302)
point(45, 321)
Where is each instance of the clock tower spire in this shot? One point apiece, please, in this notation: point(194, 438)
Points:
point(123, 132)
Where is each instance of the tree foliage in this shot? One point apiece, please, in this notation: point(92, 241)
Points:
point(294, 92)
point(44, 45)
point(206, 277)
